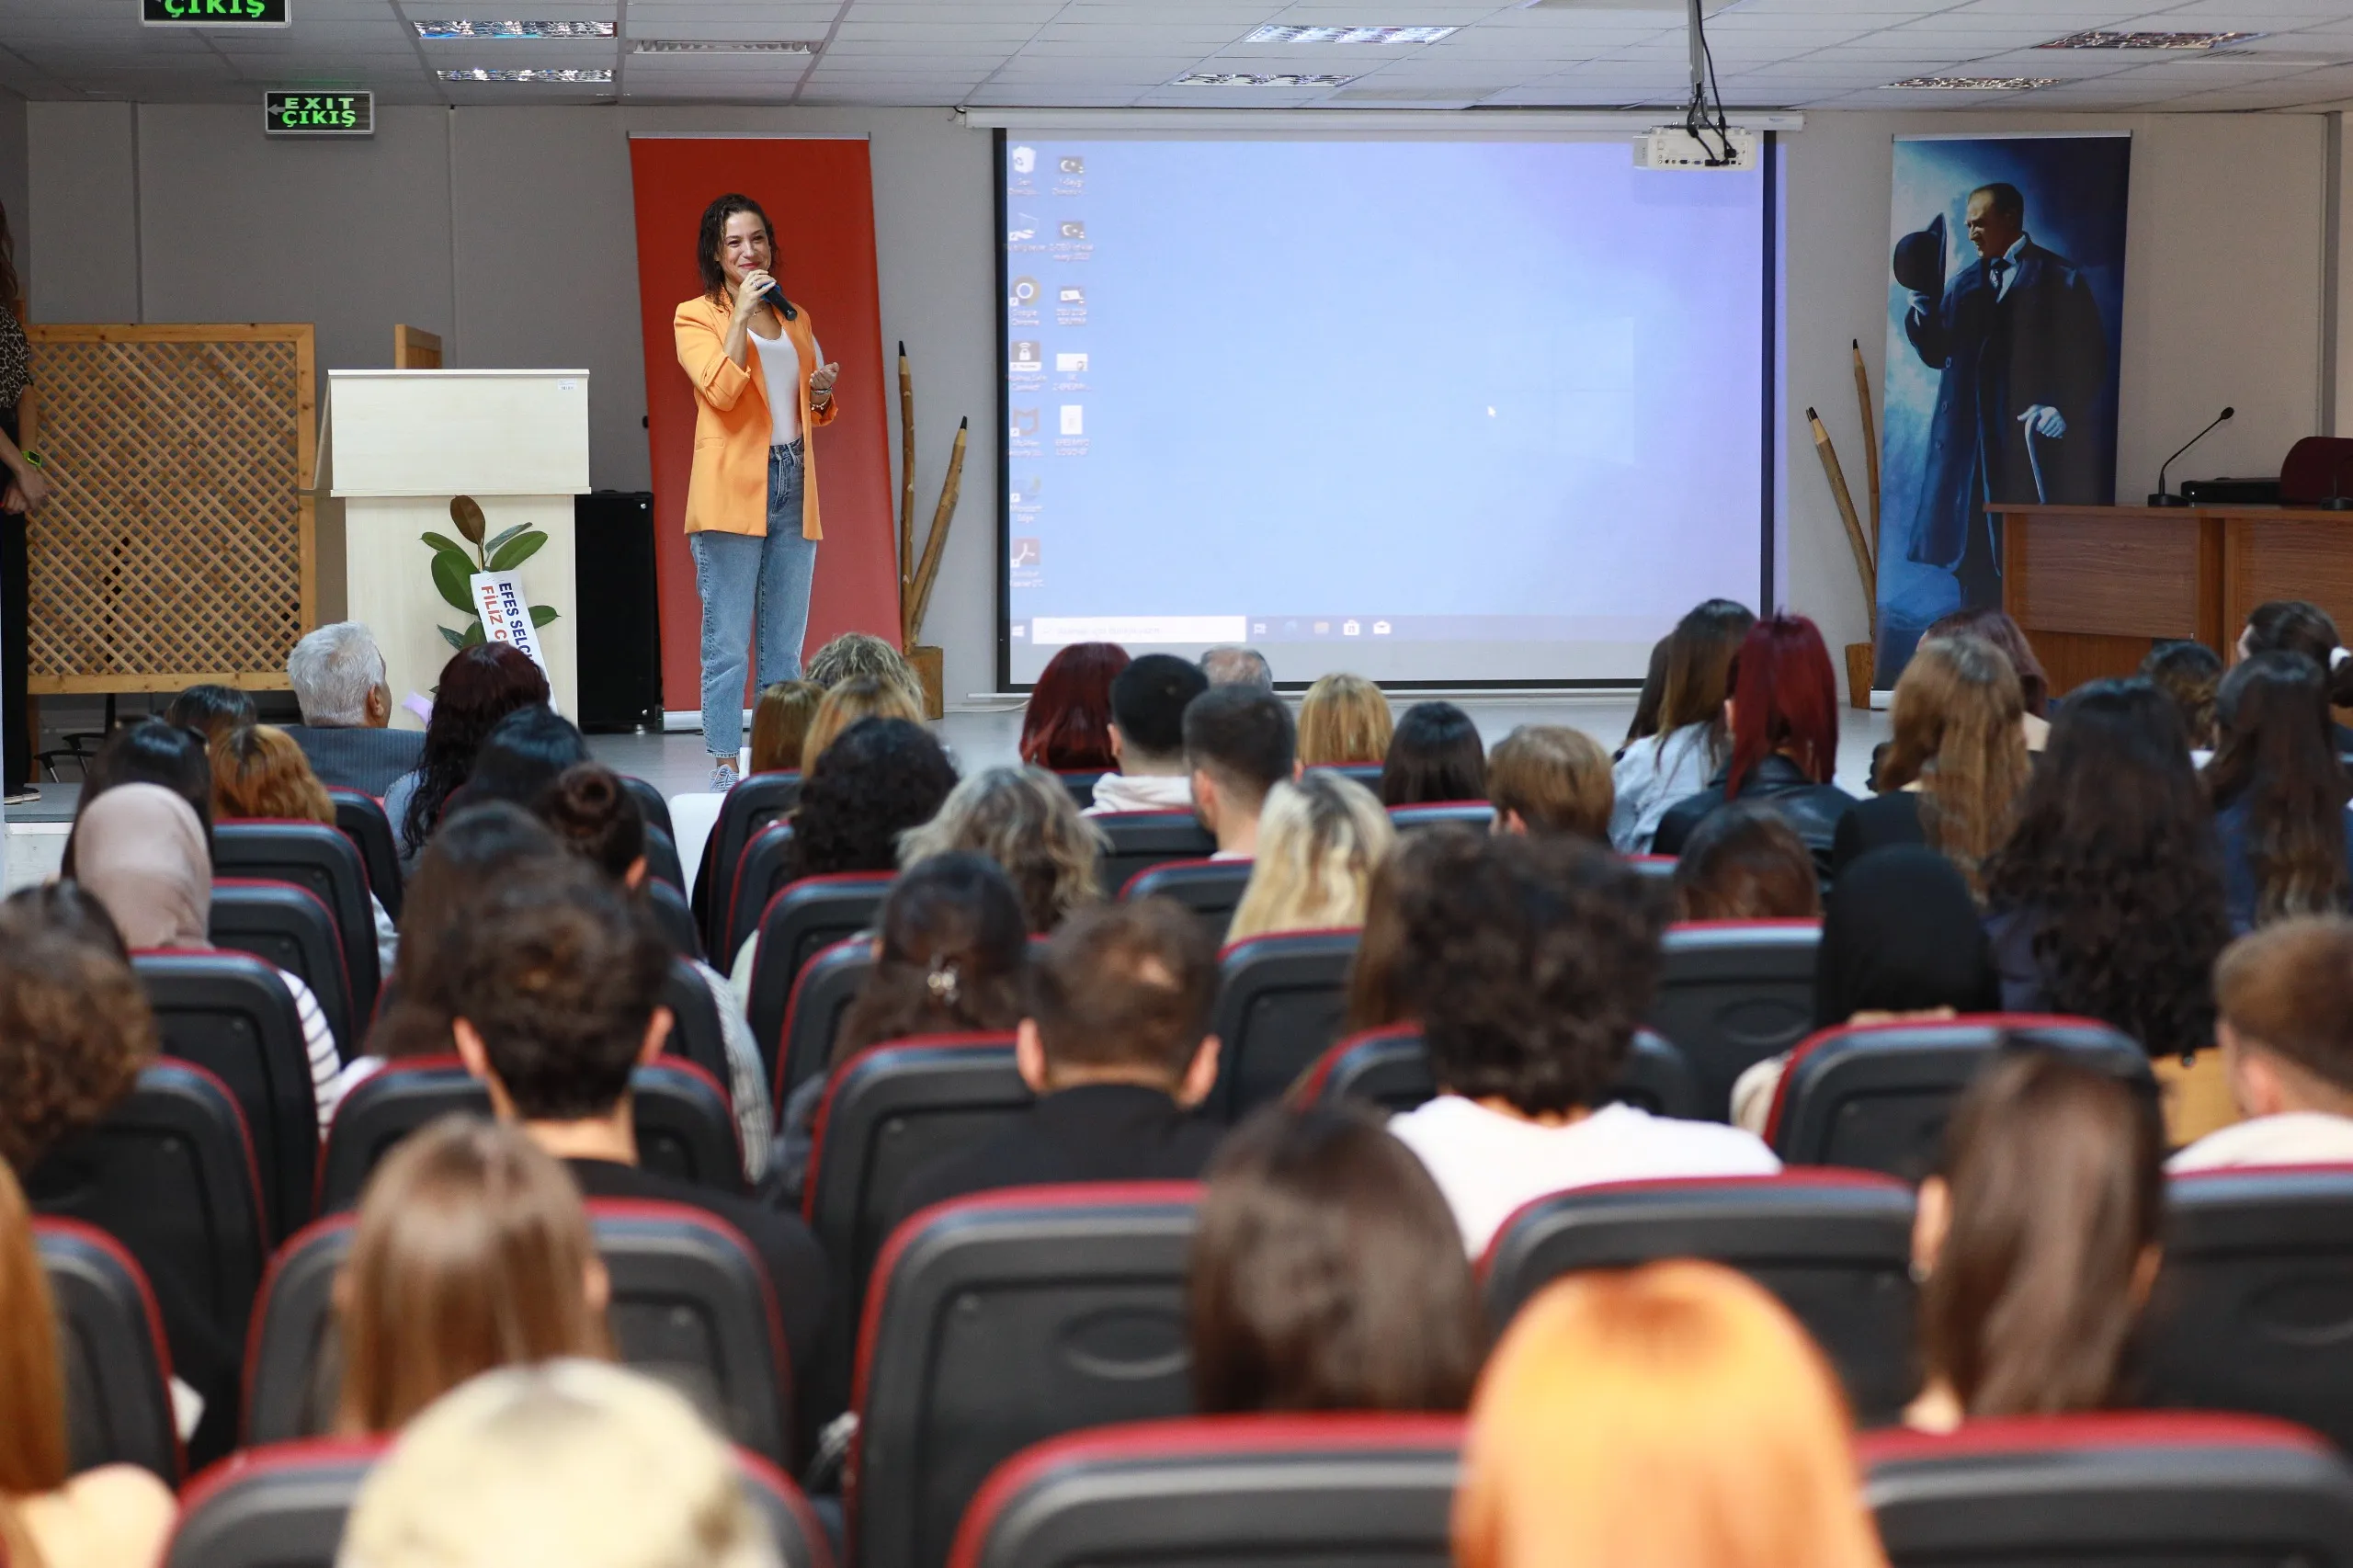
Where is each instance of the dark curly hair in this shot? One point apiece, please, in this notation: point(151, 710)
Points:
point(2115, 860)
point(2276, 755)
point(714, 226)
point(1540, 957)
point(74, 1024)
point(479, 687)
point(879, 778)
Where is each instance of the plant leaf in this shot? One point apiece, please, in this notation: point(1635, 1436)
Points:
point(466, 512)
point(542, 614)
point(452, 575)
point(517, 550)
point(450, 637)
point(473, 637)
point(440, 541)
point(501, 536)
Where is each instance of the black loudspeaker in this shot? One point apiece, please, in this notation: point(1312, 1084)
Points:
point(621, 611)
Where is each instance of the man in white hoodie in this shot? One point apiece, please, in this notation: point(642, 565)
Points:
point(1148, 702)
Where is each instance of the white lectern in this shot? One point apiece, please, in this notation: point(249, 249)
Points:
point(399, 444)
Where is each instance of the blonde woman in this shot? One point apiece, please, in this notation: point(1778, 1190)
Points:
point(1343, 721)
point(1024, 820)
point(858, 697)
point(1318, 841)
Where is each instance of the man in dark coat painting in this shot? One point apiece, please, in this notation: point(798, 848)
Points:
point(2018, 338)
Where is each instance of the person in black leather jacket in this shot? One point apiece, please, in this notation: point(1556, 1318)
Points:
point(1783, 714)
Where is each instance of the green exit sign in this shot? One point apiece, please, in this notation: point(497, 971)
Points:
point(319, 114)
point(216, 13)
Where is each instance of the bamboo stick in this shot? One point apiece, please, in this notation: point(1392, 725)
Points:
point(907, 493)
point(1871, 440)
point(1855, 541)
point(936, 544)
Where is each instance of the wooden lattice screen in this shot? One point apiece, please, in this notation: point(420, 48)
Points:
point(177, 545)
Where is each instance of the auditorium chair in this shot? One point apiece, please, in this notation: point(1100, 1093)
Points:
point(758, 874)
point(757, 801)
point(685, 1127)
point(654, 807)
point(1732, 993)
point(232, 1014)
point(362, 817)
point(287, 926)
point(1137, 841)
point(662, 865)
point(2252, 1310)
point(1658, 866)
point(1836, 1247)
point(1477, 814)
point(1390, 1069)
point(313, 856)
point(1353, 1487)
point(807, 917)
point(2129, 1490)
point(690, 1304)
point(1876, 1097)
point(169, 1173)
point(116, 1360)
point(674, 916)
point(1210, 889)
point(697, 1030)
point(1365, 773)
point(798, 1036)
point(1080, 783)
point(2317, 469)
point(1280, 1000)
point(999, 1321)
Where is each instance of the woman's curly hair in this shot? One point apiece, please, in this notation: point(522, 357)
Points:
point(2115, 860)
point(879, 778)
point(74, 1024)
point(479, 687)
point(1024, 820)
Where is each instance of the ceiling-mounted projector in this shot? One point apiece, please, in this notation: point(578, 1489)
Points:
point(1676, 147)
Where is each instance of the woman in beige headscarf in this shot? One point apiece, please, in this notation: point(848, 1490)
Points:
point(139, 850)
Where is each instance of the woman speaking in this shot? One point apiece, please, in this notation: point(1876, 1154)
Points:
point(760, 384)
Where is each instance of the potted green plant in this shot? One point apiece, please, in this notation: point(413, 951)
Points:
point(454, 566)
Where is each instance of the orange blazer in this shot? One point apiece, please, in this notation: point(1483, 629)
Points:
point(728, 490)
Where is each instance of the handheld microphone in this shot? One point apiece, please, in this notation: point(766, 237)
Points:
point(2165, 497)
point(783, 306)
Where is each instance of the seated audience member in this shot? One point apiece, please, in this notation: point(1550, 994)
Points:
point(1066, 727)
point(576, 1463)
point(110, 1517)
point(1650, 699)
point(857, 697)
point(1435, 755)
point(1671, 1414)
point(1328, 1274)
point(2106, 901)
point(471, 1251)
point(1745, 862)
point(2035, 1243)
point(479, 687)
point(1231, 664)
point(855, 653)
point(211, 711)
point(523, 754)
point(2285, 998)
point(1952, 776)
point(1344, 722)
point(594, 814)
point(2296, 626)
point(780, 722)
point(1380, 978)
point(140, 851)
point(1994, 626)
point(1024, 820)
point(339, 679)
point(2189, 673)
point(1537, 959)
point(554, 982)
point(1688, 740)
point(1148, 702)
point(1117, 1048)
point(149, 751)
point(1551, 778)
point(1319, 840)
point(2279, 794)
point(259, 771)
point(1783, 713)
point(1238, 744)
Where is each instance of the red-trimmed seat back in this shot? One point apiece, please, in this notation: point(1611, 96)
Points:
point(1079, 784)
point(1365, 773)
point(1140, 840)
point(314, 855)
point(1876, 1097)
point(2253, 1309)
point(118, 1365)
point(1210, 889)
point(673, 915)
point(797, 1027)
point(1732, 992)
point(810, 915)
point(757, 801)
point(698, 1031)
point(1000, 1321)
point(279, 1507)
point(169, 1173)
point(362, 817)
point(1476, 815)
point(2111, 1491)
point(1224, 1489)
point(1661, 867)
point(1280, 999)
point(1836, 1247)
point(287, 926)
point(1389, 1068)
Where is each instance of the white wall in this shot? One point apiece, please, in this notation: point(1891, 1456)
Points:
point(511, 231)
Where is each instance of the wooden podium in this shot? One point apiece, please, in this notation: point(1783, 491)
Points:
point(399, 444)
point(2094, 586)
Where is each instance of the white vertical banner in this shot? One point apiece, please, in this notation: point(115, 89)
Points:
point(506, 613)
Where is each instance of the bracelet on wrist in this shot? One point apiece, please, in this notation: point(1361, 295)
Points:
point(33, 458)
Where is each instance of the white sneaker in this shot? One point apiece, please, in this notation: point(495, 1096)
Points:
point(722, 776)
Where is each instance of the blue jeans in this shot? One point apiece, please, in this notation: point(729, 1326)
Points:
point(739, 575)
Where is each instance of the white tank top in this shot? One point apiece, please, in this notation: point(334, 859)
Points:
point(780, 368)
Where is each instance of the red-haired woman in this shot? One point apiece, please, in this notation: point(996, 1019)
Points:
point(1783, 714)
point(1067, 726)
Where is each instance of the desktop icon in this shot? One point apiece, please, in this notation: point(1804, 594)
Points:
point(1071, 364)
point(1071, 294)
point(1074, 420)
point(1022, 160)
point(1072, 229)
point(1381, 629)
point(1028, 358)
point(1024, 228)
point(1323, 628)
point(1025, 422)
point(1349, 629)
point(1073, 166)
point(1025, 552)
point(1025, 292)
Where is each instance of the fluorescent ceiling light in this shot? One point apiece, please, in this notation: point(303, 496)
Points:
point(721, 46)
point(2097, 40)
point(1236, 79)
point(524, 73)
point(463, 29)
point(1277, 32)
point(1976, 84)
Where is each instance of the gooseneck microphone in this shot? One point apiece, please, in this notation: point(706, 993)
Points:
point(2165, 497)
